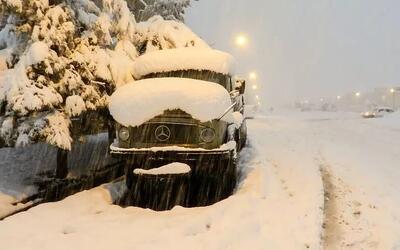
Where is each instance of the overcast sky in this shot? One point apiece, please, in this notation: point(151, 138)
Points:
point(307, 49)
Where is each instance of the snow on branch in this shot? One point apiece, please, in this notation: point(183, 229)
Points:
point(59, 59)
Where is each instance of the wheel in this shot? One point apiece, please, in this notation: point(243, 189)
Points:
point(243, 134)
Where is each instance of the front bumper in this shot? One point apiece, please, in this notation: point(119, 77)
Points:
point(197, 159)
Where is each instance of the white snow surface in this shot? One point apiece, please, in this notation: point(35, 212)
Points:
point(137, 102)
point(262, 214)
point(173, 168)
point(168, 34)
point(74, 105)
point(37, 52)
point(183, 59)
point(279, 202)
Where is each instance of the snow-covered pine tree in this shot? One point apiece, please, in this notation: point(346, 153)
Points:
point(62, 59)
point(59, 59)
point(168, 9)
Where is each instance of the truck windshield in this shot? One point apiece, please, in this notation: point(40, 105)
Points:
point(204, 75)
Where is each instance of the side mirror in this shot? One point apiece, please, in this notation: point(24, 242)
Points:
point(240, 86)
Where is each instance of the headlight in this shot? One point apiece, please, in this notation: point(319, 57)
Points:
point(123, 134)
point(207, 135)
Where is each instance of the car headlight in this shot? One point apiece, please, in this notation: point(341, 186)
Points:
point(123, 134)
point(207, 135)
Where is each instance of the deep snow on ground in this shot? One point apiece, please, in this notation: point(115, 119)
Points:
point(260, 215)
point(360, 159)
point(279, 203)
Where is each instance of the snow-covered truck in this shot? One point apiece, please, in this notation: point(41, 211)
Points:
point(184, 108)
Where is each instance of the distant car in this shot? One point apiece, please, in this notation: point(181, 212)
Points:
point(378, 112)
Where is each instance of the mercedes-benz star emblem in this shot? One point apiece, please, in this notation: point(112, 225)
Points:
point(162, 133)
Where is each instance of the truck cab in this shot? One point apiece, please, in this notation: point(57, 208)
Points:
point(178, 133)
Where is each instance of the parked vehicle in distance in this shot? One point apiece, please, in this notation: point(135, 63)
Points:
point(378, 112)
point(196, 84)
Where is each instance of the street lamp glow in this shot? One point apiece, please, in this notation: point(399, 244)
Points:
point(255, 87)
point(338, 97)
point(241, 40)
point(253, 76)
point(257, 97)
point(392, 90)
point(358, 94)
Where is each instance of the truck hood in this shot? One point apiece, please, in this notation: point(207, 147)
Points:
point(135, 103)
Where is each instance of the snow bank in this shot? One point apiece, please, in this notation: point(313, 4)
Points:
point(137, 102)
point(183, 59)
point(173, 168)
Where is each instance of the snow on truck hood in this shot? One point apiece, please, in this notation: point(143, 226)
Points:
point(183, 59)
point(137, 102)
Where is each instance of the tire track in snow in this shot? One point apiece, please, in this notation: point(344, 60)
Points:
point(344, 225)
point(332, 233)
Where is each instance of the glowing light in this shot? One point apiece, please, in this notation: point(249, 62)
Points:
point(255, 87)
point(241, 40)
point(392, 90)
point(257, 97)
point(358, 94)
point(338, 97)
point(322, 99)
point(253, 76)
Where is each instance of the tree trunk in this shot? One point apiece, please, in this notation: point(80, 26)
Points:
point(62, 163)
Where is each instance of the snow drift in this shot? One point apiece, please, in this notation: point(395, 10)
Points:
point(137, 102)
point(183, 59)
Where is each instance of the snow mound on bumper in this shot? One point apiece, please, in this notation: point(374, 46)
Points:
point(173, 168)
point(183, 59)
point(137, 102)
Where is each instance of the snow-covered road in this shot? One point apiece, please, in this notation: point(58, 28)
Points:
point(360, 164)
point(309, 181)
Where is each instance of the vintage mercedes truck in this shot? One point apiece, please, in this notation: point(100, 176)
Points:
point(185, 107)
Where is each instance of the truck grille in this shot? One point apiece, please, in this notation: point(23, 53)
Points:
point(164, 134)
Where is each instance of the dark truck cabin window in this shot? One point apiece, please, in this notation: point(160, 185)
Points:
point(205, 75)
